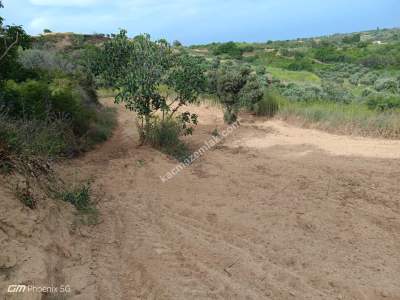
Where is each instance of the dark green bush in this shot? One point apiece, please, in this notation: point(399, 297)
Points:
point(300, 65)
point(38, 100)
point(230, 48)
point(383, 102)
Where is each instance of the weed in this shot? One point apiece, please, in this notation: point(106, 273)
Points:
point(140, 163)
point(215, 132)
point(78, 197)
point(25, 195)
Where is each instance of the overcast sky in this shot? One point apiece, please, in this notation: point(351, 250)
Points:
point(203, 21)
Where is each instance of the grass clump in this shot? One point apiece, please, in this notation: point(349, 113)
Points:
point(79, 197)
point(165, 136)
point(269, 105)
point(25, 195)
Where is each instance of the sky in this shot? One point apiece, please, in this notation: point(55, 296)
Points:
point(205, 21)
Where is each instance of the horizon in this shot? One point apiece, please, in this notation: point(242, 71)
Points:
point(219, 42)
point(197, 22)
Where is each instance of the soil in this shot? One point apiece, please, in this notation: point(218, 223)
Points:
point(272, 212)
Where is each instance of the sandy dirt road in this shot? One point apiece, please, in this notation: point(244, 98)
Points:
point(273, 212)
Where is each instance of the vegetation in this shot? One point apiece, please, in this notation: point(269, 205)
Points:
point(235, 87)
point(354, 118)
point(48, 102)
point(269, 105)
point(154, 81)
point(359, 70)
point(48, 109)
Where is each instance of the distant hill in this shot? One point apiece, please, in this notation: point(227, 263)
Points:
point(67, 40)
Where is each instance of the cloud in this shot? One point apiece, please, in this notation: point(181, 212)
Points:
point(38, 24)
point(71, 23)
point(64, 3)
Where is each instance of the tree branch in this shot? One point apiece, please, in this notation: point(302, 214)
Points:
point(9, 47)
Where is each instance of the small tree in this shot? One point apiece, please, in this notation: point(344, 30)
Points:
point(141, 70)
point(236, 86)
point(177, 44)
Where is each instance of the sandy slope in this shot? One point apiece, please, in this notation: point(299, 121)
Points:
point(274, 212)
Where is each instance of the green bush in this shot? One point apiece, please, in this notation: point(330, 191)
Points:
point(37, 137)
point(52, 138)
point(38, 100)
point(269, 105)
point(300, 65)
point(386, 84)
point(165, 135)
point(51, 61)
point(230, 48)
point(383, 102)
point(369, 78)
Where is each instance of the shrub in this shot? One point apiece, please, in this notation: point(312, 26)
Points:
point(35, 59)
point(386, 84)
point(251, 93)
point(38, 100)
point(268, 106)
point(52, 138)
point(366, 92)
point(302, 92)
point(383, 102)
point(355, 78)
point(369, 78)
point(164, 135)
point(235, 87)
point(337, 93)
point(300, 65)
point(230, 48)
point(37, 137)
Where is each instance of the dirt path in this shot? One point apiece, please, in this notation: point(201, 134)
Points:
point(274, 212)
